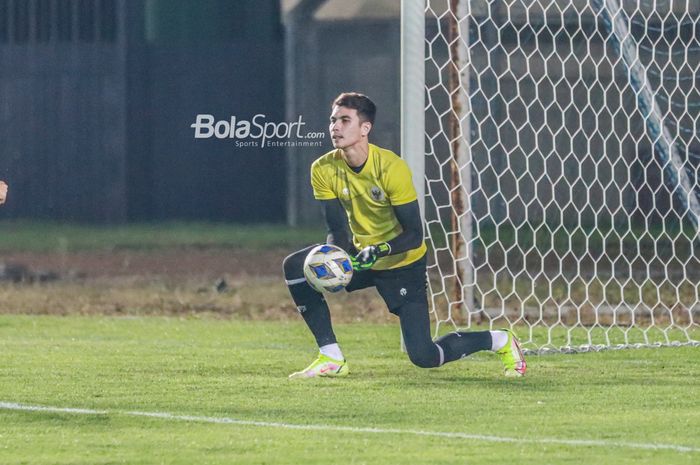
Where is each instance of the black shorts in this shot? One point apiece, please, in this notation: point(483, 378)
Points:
point(396, 286)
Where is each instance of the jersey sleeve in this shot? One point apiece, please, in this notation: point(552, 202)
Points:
point(399, 183)
point(319, 183)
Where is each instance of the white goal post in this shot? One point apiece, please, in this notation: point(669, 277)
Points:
point(555, 146)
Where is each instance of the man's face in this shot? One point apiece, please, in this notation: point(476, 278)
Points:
point(345, 127)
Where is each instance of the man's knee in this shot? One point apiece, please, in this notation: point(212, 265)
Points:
point(302, 294)
point(293, 264)
point(424, 356)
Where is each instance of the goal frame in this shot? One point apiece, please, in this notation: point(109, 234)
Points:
point(413, 142)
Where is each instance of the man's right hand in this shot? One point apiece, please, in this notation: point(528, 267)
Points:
point(3, 192)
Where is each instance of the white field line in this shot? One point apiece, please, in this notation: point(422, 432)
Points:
point(352, 429)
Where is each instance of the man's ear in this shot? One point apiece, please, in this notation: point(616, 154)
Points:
point(365, 128)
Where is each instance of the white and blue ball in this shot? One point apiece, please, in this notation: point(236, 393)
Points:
point(327, 268)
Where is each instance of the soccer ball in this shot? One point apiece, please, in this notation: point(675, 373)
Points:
point(327, 268)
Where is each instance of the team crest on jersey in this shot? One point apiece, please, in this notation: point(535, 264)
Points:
point(376, 193)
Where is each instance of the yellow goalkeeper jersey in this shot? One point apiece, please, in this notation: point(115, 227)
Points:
point(368, 197)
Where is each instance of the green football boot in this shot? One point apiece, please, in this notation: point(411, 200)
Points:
point(512, 356)
point(325, 367)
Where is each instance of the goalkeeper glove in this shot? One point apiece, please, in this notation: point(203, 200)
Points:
point(369, 255)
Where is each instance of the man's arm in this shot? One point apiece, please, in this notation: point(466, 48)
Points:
point(410, 238)
point(412, 235)
point(3, 192)
point(337, 223)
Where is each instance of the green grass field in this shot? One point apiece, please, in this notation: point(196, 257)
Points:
point(165, 370)
point(63, 237)
point(215, 378)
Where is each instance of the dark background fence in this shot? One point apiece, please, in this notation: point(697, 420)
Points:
point(97, 98)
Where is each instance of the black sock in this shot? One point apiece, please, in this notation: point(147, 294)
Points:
point(314, 309)
point(459, 345)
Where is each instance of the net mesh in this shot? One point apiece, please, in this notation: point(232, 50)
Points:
point(563, 149)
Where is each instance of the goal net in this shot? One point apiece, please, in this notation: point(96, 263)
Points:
point(561, 172)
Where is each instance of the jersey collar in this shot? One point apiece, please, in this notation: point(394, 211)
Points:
point(370, 156)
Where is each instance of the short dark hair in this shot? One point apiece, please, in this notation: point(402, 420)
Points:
point(366, 109)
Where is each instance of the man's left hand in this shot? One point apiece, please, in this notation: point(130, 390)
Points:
point(368, 256)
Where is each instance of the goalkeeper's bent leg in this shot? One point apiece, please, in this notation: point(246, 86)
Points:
point(423, 352)
point(415, 327)
point(310, 303)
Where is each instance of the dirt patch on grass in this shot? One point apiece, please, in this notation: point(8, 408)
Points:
point(173, 282)
point(180, 262)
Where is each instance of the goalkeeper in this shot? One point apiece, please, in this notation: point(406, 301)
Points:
point(370, 189)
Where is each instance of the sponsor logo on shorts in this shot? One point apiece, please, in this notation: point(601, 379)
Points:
point(403, 291)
